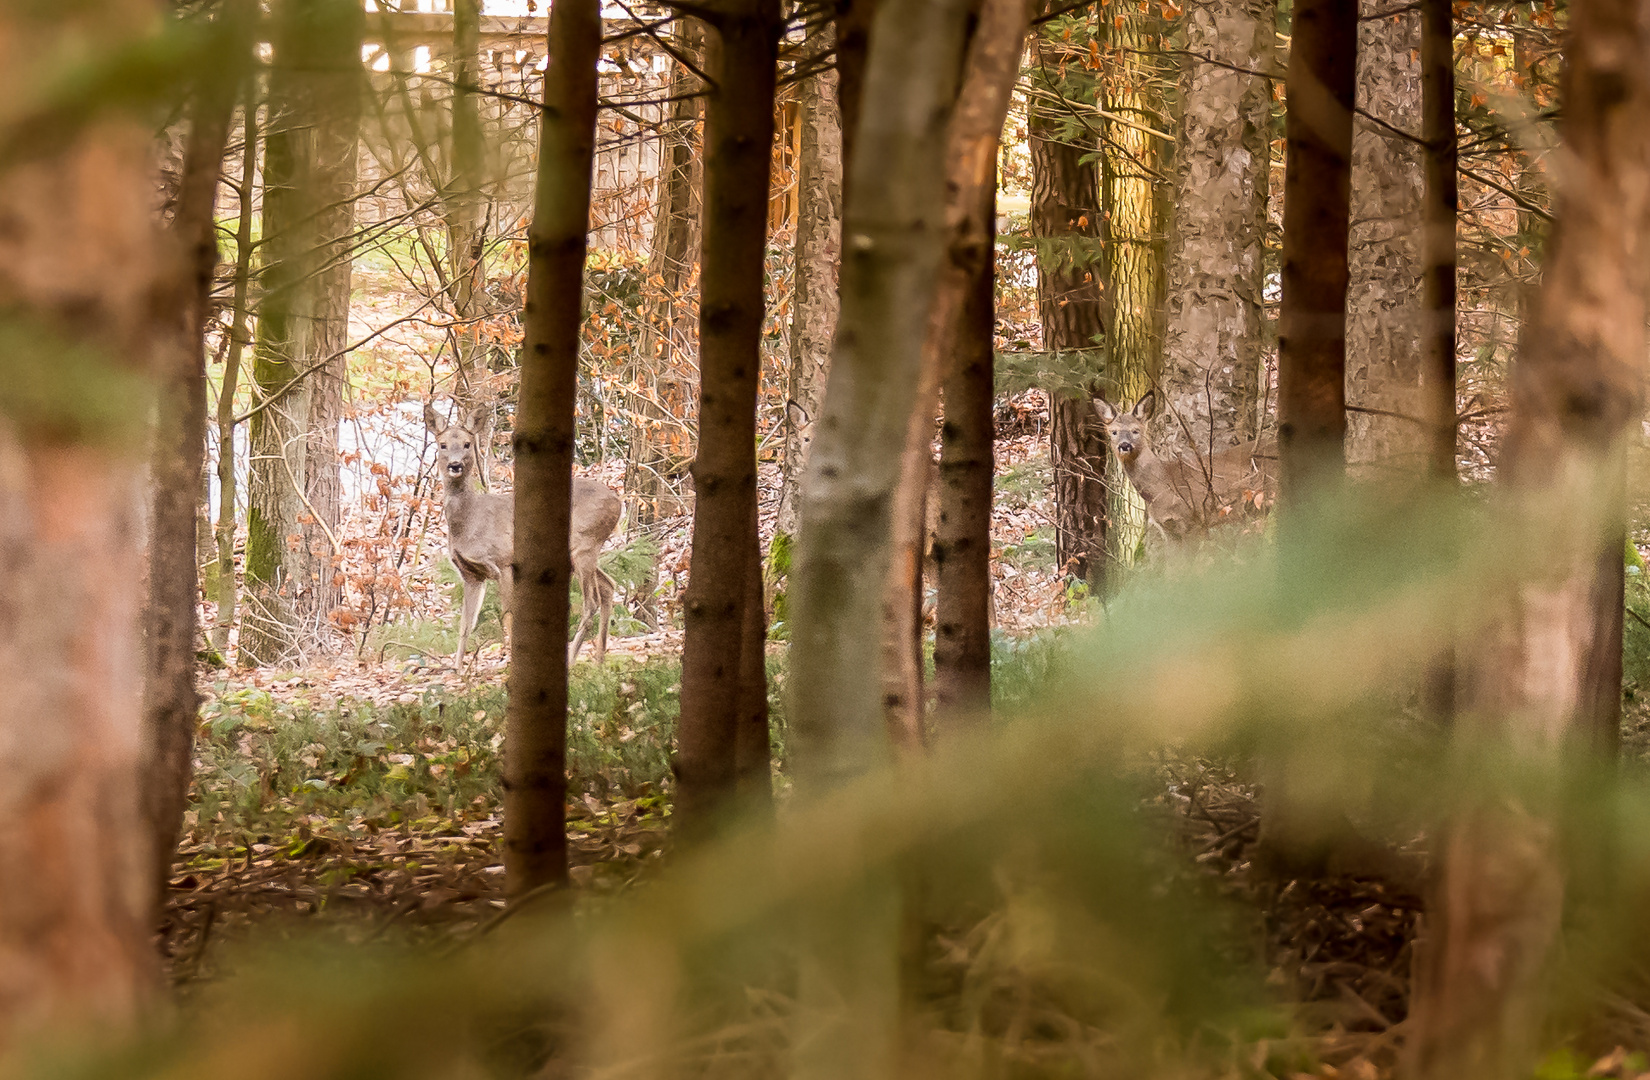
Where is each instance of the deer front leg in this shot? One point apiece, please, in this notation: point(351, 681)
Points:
point(469, 613)
point(506, 589)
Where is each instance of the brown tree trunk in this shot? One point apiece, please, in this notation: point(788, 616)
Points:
point(739, 130)
point(1550, 676)
point(1213, 344)
point(1316, 209)
point(303, 317)
point(853, 50)
point(535, 764)
point(971, 157)
point(464, 208)
point(1065, 203)
point(962, 543)
point(818, 249)
point(79, 274)
point(170, 703)
point(894, 242)
point(226, 591)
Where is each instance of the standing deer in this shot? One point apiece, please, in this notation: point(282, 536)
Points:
point(480, 534)
point(1185, 494)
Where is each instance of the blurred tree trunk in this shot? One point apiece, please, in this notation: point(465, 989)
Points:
point(79, 278)
point(852, 28)
point(1385, 271)
point(303, 327)
point(654, 457)
point(464, 210)
point(975, 131)
point(895, 241)
point(1213, 344)
point(718, 687)
point(1302, 828)
point(1316, 208)
point(818, 249)
point(1065, 203)
point(225, 591)
point(170, 703)
point(535, 770)
point(1549, 674)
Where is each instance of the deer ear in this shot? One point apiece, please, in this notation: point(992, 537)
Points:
point(1146, 407)
point(479, 418)
point(797, 414)
point(432, 419)
point(1104, 410)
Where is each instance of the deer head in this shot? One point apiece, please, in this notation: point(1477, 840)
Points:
point(1126, 430)
point(457, 443)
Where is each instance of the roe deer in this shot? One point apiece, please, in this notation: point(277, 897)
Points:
point(1185, 494)
point(480, 534)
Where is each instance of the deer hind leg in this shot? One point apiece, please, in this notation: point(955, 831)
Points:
point(587, 609)
point(604, 588)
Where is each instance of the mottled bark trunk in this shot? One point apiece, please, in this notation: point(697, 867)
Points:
point(226, 592)
point(814, 301)
point(1316, 205)
point(1065, 203)
point(1216, 256)
point(303, 324)
point(79, 274)
point(894, 241)
point(962, 542)
point(1386, 414)
point(971, 157)
point(739, 127)
point(1549, 677)
point(170, 703)
point(535, 770)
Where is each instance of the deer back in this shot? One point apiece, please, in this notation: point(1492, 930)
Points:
point(596, 510)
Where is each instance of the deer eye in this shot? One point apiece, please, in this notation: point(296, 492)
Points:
point(466, 444)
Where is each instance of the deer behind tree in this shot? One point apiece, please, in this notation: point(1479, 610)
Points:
point(480, 533)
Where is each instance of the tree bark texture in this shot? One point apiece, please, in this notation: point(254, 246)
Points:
point(1385, 269)
point(535, 763)
point(303, 325)
point(1065, 203)
point(894, 239)
point(814, 300)
point(658, 444)
point(974, 134)
point(962, 542)
point(1549, 675)
point(739, 129)
point(1213, 346)
point(79, 274)
point(170, 703)
point(1316, 208)
point(225, 591)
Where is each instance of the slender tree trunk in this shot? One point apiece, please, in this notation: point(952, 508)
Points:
point(1550, 674)
point(238, 339)
point(1065, 203)
point(739, 130)
point(962, 543)
point(814, 302)
point(535, 770)
point(1385, 266)
point(1316, 209)
point(1213, 344)
point(971, 159)
point(1438, 261)
point(79, 272)
point(170, 703)
point(309, 180)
